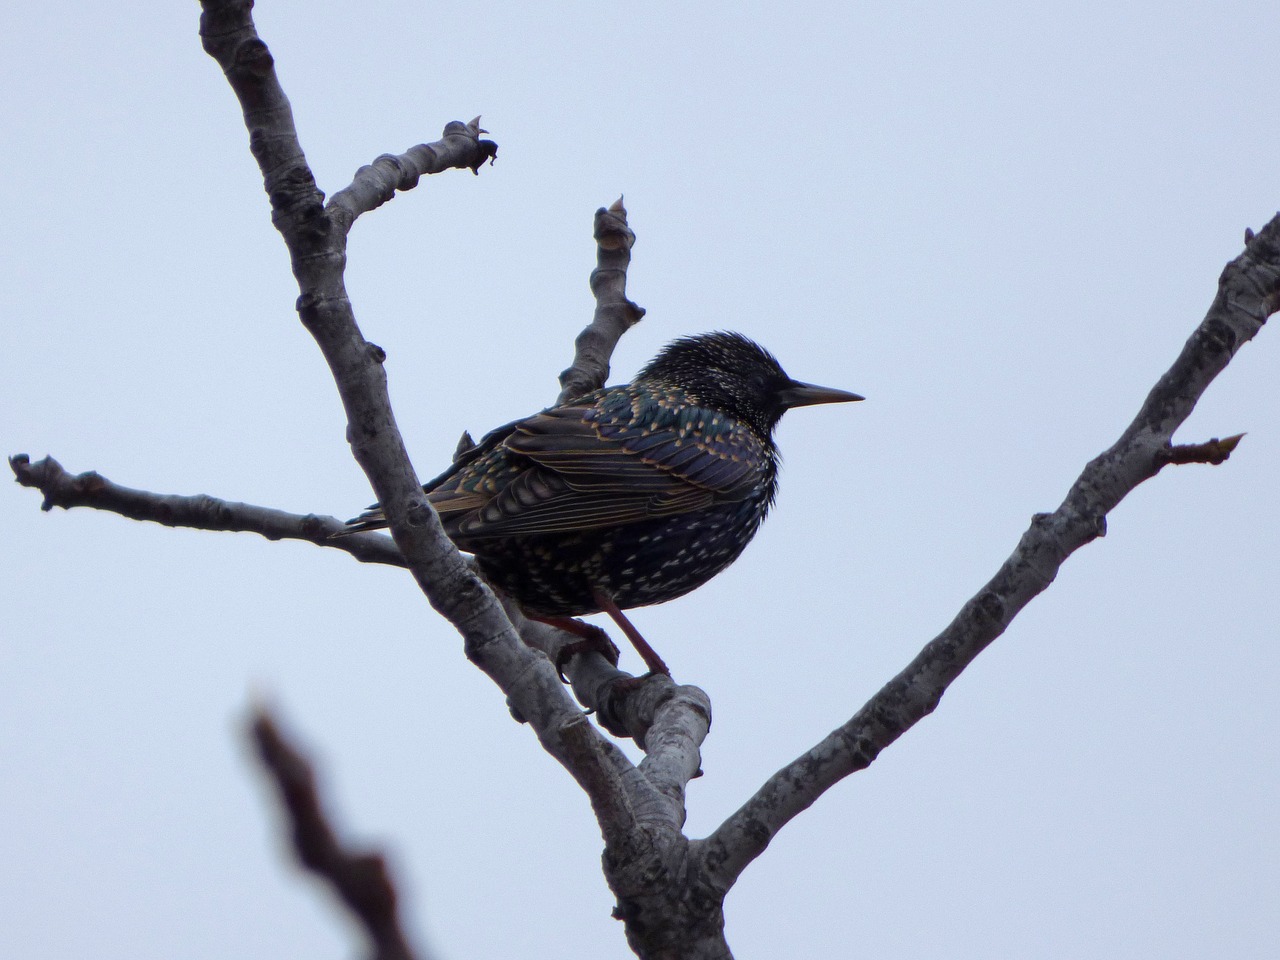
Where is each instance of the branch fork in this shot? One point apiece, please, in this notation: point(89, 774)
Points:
point(670, 889)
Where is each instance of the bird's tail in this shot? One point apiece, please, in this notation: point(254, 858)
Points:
point(371, 519)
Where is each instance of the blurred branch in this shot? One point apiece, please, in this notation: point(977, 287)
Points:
point(360, 879)
point(1213, 451)
point(1248, 293)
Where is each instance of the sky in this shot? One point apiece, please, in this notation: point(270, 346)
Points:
point(997, 221)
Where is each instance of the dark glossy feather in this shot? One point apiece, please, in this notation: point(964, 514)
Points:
point(612, 458)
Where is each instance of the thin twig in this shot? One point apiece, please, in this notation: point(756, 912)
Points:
point(199, 511)
point(459, 147)
point(614, 314)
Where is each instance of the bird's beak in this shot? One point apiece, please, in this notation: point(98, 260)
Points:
point(797, 394)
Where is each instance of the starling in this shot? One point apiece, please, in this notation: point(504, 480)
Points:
point(630, 495)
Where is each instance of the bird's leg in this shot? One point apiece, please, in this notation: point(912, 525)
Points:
point(591, 638)
point(647, 653)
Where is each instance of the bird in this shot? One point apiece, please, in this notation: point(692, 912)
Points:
point(627, 496)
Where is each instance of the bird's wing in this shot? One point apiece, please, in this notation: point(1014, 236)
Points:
point(602, 463)
point(628, 440)
point(539, 501)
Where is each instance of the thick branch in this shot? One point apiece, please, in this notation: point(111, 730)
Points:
point(316, 239)
point(360, 879)
point(1248, 293)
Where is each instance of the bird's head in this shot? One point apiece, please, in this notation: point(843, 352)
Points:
point(735, 375)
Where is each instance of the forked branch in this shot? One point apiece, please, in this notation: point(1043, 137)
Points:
point(316, 238)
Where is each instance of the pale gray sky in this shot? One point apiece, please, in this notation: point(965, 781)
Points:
point(999, 222)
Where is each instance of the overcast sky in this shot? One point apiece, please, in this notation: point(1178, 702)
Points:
point(998, 221)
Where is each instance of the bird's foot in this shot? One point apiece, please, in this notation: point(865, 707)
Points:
point(592, 639)
point(626, 685)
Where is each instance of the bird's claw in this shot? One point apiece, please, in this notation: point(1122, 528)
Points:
point(593, 639)
point(628, 685)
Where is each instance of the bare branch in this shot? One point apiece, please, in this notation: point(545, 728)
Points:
point(1248, 293)
point(669, 722)
point(614, 314)
point(359, 878)
point(672, 744)
point(624, 709)
point(316, 239)
point(201, 512)
point(460, 147)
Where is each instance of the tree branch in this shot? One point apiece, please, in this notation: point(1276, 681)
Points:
point(316, 240)
point(667, 721)
point(1213, 451)
point(200, 511)
point(1248, 293)
point(640, 809)
point(614, 314)
point(360, 879)
point(460, 147)
point(623, 710)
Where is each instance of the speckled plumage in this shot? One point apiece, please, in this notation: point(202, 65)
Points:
point(640, 492)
